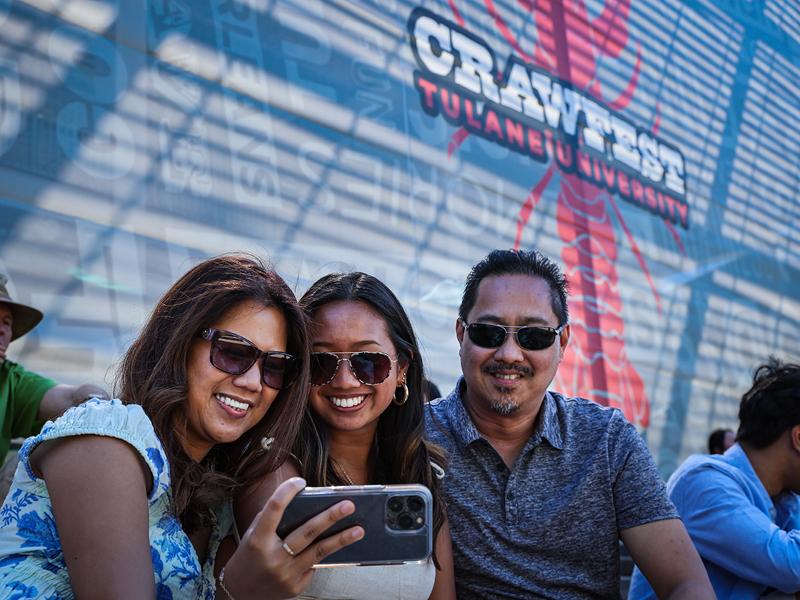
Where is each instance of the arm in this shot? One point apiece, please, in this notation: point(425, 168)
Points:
point(445, 586)
point(98, 489)
point(729, 530)
point(666, 556)
point(61, 397)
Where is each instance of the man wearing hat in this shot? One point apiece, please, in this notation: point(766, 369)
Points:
point(27, 400)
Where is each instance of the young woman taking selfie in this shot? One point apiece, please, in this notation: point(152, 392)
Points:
point(130, 498)
point(364, 425)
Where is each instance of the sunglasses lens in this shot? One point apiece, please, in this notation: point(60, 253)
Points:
point(278, 371)
point(323, 367)
point(535, 338)
point(371, 367)
point(486, 335)
point(232, 357)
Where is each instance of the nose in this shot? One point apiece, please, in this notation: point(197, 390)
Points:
point(344, 376)
point(509, 351)
point(250, 379)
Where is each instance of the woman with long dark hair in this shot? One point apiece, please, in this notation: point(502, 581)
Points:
point(364, 425)
point(131, 498)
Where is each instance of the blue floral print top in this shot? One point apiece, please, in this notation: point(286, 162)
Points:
point(31, 561)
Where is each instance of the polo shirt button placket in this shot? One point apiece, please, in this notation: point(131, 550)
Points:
point(510, 506)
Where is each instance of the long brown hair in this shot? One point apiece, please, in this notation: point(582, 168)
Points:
point(153, 374)
point(402, 455)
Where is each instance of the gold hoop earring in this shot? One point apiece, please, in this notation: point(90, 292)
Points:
point(405, 395)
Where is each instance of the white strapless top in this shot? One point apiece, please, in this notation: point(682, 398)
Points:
point(392, 582)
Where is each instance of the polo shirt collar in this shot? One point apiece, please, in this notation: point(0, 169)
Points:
point(548, 426)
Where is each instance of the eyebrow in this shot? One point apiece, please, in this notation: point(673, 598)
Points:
point(490, 318)
point(362, 344)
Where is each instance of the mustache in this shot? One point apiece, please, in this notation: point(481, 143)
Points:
point(497, 367)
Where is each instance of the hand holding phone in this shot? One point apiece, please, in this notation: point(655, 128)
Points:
point(397, 520)
point(268, 566)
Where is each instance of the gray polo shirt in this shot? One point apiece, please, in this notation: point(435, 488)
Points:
point(550, 526)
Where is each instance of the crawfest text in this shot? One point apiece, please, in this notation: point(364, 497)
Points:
point(533, 113)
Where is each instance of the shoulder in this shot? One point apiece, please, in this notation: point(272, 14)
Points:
point(439, 421)
point(437, 409)
point(106, 418)
point(587, 420)
point(700, 470)
point(18, 376)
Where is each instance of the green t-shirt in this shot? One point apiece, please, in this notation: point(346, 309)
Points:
point(21, 393)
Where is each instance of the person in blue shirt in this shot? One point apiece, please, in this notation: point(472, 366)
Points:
point(742, 508)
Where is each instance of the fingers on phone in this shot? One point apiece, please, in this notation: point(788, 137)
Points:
point(304, 536)
point(269, 517)
point(336, 542)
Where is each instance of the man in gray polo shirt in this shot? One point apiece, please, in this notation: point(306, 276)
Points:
point(540, 487)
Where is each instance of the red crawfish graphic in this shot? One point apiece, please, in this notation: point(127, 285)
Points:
point(568, 44)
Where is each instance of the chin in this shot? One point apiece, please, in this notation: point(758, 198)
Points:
point(504, 409)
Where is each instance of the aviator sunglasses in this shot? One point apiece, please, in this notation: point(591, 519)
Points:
point(490, 335)
point(234, 354)
point(370, 368)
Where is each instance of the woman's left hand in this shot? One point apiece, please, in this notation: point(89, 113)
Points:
point(266, 567)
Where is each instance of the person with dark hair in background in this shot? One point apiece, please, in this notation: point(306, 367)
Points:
point(720, 440)
point(541, 487)
point(130, 498)
point(27, 399)
point(364, 425)
point(431, 391)
point(742, 509)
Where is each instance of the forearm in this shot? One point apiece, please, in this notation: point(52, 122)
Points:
point(61, 397)
point(692, 590)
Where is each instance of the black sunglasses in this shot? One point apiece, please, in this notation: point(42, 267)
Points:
point(234, 354)
point(370, 368)
point(490, 335)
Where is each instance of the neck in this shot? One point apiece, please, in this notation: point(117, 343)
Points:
point(768, 465)
point(351, 452)
point(507, 434)
point(196, 451)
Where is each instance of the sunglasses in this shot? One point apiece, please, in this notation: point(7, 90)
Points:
point(370, 368)
point(489, 335)
point(233, 354)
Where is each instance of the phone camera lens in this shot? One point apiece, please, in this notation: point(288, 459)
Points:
point(405, 521)
point(395, 504)
point(415, 504)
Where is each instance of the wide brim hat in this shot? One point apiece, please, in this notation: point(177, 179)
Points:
point(25, 317)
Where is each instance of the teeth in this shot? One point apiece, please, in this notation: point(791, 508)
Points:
point(231, 402)
point(346, 402)
point(507, 376)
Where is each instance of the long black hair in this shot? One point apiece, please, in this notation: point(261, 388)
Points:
point(401, 452)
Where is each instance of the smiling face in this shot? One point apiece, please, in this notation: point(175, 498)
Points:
point(6, 322)
point(344, 403)
point(221, 407)
point(509, 379)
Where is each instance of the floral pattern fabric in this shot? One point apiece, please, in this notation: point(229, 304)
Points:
point(31, 561)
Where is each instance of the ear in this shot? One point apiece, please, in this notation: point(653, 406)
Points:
point(459, 330)
point(794, 436)
point(402, 371)
point(563, 338)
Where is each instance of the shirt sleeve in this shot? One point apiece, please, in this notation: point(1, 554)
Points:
point(730, 531)
point(640, 495)
point(29, 390)
point(108, 418)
